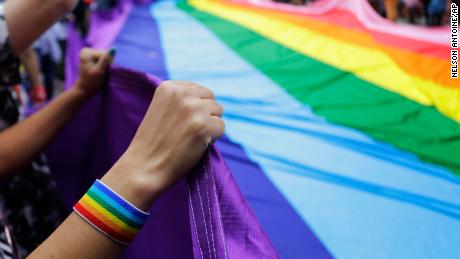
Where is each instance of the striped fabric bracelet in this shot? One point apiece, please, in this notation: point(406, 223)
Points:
point(109, 213)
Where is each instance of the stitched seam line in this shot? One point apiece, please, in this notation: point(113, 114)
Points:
point(209, 210)
point(218, 209)
point(204, 216)
point(193, 220)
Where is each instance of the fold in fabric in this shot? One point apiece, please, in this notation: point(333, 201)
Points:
point(365, 14)
point(204, 216)
point(103, 29)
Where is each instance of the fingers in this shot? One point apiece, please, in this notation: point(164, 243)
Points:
point(214, 125)
point(104, 61)
point(196, 106)
point(99, 58)
point(91, 55)
point(196, 89)
point(216, 128)
point(212, 107)
point(203, 92)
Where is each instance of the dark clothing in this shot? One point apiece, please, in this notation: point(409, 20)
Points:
point(29, 203)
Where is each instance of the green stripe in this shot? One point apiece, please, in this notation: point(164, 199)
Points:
point(343, 98)
point(113, 210)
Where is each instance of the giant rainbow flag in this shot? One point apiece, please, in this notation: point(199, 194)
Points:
point(343, 128)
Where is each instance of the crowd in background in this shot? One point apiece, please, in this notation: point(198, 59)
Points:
point(41, 78)
point(423, 12)
point(43, 63)
point(31, 211)
point(42, 67)
point(429, 12)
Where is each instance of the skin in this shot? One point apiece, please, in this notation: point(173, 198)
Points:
point(40, 15)
point(34, 133)
point(182, 119)
point(30, 60)
point(391, 9)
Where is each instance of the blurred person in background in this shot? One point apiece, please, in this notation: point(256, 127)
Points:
point(30, 209)
point(30, 61)
point(447, 10)
point(35, 89)
point(81, 16)
point(378, 6)
point(50, 53)
point(106, 5)
point(391, 9)
point(412, 9)
point(435, 12)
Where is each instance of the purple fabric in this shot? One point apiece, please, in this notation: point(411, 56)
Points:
point(104, 27)
point(223, 225)
point(203, 217)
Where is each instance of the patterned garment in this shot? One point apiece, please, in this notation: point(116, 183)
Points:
point(28, 200)
point(9, 64)
point(7, 244)
point(31, 205)
point(6, 252)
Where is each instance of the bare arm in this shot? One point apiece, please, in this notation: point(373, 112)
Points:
point(28, 19)
point(33, 134)
point(181, 121)
point(30, 60)
point(77, 239)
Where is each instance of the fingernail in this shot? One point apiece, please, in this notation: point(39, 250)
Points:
point(112, 52)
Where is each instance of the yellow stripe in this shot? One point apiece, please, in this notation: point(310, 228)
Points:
point(369, 64)
point(109, 215)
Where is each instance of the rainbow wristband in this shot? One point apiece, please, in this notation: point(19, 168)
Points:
point(109, 213)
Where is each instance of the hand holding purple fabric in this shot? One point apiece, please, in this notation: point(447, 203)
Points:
point(93, 70)
point(181, 121)
point(178, 227)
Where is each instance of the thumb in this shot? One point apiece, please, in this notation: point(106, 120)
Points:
point(107, 59)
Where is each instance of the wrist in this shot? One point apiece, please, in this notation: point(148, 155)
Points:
point(134, 183)
point(80, 92)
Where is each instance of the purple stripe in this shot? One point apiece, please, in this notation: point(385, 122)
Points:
point(104, 28)
point(139, 45)
point(290, 235)
point(288, 232)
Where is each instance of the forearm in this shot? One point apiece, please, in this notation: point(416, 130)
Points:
point(30, 60)
point(40, 15)
point(75, 238)
point(160, 154)
point(25, 140)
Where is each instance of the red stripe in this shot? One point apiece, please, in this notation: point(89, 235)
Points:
point(97, 222)
point(347, 19)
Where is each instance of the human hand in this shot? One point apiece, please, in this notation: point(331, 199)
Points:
point(181, 121)
point(93, 70)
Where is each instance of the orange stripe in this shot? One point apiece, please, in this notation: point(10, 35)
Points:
point(423, 66)
point(99, 224)
point(346, 19)
point(106, 220)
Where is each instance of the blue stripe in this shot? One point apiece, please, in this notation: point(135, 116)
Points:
point(117, 206)
point(113, 197)
point(291, 236)
point(364, 199)
point(286, 229)
point(136, 44)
